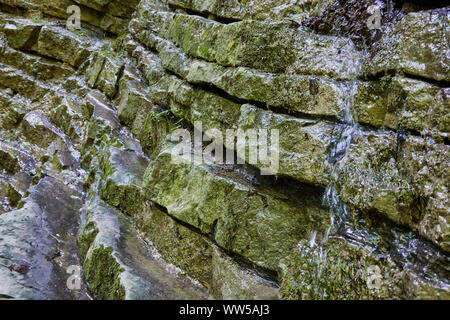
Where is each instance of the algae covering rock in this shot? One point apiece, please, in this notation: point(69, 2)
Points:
point(303, 144)
point(340, 272)
point(22, 83)
point(38, 9)
point(259, 9)
point(425, 163)
point(416, 45)
point(132, 95)
point(401, 177)
point(307, 94)
point(9, 163)
point(345, 271)
point(357, 207)
point(231, 281)
point(102, 268)
point(123, 172)
point(201, 259)
point(193, 251)
point(403, 103)
point(120, 266)
point(105, 71)
point(257, 223)
point(21, 33)
point(62, 45)
point(266, 46)
point(192, 104)
point(41, 68)
point(103, 120)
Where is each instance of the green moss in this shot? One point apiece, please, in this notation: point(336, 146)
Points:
point(127, 198)
point(87, 237)
point(151, 126)
point(109, 140)
point(13, 196)
point(89, 180)
point(337, 271)
point(39, 20)
point(11, 135)
point(13, 117)
point(370, 103)
point(57, 163)
point(8, 163)
point(178, 245)
point(102, 273)
point(105, 165)
point(110, 53)
point(61, 117)
point(81, 33)
point(260, 227)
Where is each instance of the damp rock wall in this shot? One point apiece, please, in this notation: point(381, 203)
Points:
point(358, 207)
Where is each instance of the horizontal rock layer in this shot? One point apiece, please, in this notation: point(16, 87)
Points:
point(87, 119)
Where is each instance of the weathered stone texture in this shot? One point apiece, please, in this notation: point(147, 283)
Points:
point(88, 118)
point(251, 221)
point(416, 45)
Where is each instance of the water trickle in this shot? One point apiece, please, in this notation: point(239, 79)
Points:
point(339, 212)
point(346, 131)
point(428, 262)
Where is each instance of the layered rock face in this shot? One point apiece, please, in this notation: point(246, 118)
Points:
point(358, 207)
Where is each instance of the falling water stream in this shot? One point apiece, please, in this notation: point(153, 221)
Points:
point(406, 248)
point(339, 212)
point(341, 142)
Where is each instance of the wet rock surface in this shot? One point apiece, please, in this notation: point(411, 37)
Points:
point(119, 265)
point(358, 208)
point(38, 243)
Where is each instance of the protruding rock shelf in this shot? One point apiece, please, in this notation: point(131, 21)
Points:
point(88, 177)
